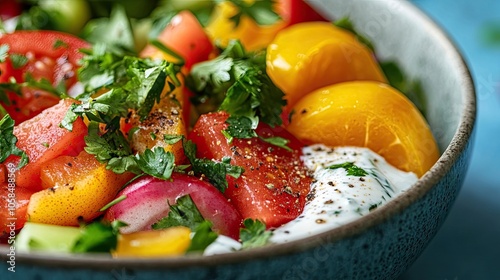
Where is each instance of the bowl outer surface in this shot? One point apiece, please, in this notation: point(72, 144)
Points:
point(378, 246)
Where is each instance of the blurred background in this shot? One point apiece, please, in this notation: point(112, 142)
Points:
point(468, 244)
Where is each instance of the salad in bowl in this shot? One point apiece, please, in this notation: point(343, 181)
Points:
point(234, 125)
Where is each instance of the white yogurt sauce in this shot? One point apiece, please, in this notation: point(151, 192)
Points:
point(337, 198)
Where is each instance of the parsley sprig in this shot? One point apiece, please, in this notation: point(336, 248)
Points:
point(185, 213)
point(116, 83)
point(254, 234)
point(8, 141)
point(237, 82)
point(215, 171)
point(98, 237)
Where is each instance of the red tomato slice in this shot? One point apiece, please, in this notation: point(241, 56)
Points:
point(13, 206)
point(51, 55)
point(43, 140)
point(274, 185)
point(185, 36)
point(296, 11)
point(148, 200)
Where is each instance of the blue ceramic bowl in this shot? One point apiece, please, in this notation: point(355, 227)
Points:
point(380, 245)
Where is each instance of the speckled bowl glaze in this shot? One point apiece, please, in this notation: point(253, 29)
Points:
point(380, 245)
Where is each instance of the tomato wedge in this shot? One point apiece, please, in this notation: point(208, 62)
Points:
point(13, 206)
point(43, 140)
point(274, 185)
point(50, 55)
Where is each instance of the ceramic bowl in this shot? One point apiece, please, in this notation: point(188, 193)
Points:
point(380, 245)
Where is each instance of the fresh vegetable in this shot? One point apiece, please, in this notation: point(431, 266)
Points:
point(94, 237)
point(78, 187)
point(367, 114)
point(185, 37)
point(148, 200)
point(274, 184)
point(172, 241)
point(43, 65)
point(256, 23)
point(183, 41)
point(43, 140)
point(308, 56)
point(236, 82)
point(13, 205)
point(147, 176)
point(47, 238)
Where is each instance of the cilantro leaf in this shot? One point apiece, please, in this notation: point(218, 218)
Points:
point(172, 138)
point(111, 144)
point(254, 234)
point(203, 236)
point(156, 162)
point(215, 171)
point(240, 127)
point(236, 82)
point(8, 141)
point(132, 83)
point(277, 141)
point(183, 213)
point(98, 237)
point(18, 60)
point(262, 12)
point(352, 170)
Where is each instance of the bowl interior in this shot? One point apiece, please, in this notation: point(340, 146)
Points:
point(402, 33)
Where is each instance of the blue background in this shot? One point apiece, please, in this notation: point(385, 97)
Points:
point(468, 244)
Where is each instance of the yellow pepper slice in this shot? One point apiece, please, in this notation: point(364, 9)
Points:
point(311, 55)
point(367, 114)
point(155, 243)
point(253, 36)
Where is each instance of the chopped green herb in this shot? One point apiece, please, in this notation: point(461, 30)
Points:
point(152, 135)
point(18, 60)
point(352, 170)
point(237, 82)
point(373, 207)
point(156, 162)
point(59, 44)
point(172, 138)
point(8, 142)
point(254, 234)
point(183, 213)
point(215, 171)
point(114, 202)
point(98, 237)
point(277, 141)
point(203, 236)
point(240, 127)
